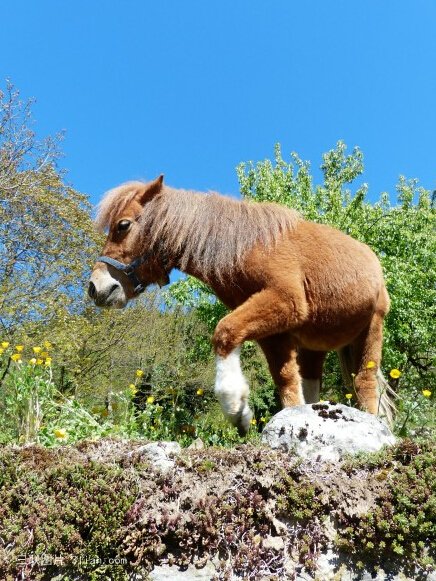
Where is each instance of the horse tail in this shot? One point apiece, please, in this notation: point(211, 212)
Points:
point(385, 394)
point(386, 399)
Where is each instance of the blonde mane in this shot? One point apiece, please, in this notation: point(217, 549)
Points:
point(210, 230)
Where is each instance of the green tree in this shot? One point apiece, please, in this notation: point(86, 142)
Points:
point(47, 237)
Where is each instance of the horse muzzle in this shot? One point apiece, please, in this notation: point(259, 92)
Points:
point(105, 291)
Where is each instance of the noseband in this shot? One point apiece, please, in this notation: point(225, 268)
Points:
point(129, 269)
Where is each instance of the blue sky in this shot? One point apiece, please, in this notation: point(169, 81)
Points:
point(190, 88)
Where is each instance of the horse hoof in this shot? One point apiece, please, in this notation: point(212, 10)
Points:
point(243, 421)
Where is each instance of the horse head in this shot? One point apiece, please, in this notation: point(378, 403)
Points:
point(129, 261)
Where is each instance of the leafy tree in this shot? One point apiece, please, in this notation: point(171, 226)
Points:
point(46, 234)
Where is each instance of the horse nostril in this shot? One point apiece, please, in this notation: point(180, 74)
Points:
point(92, 290)
point(112, 289)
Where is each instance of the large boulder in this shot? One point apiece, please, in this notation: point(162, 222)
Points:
point(326, 432)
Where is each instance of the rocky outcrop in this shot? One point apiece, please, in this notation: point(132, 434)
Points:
point(151, 511)
point(326, 432)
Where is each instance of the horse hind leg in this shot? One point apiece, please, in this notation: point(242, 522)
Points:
point(365, 357)
point(311, 366)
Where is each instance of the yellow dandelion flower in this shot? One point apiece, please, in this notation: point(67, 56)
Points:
point(133, 389)
point(253, 422)
point(32, 361)
point(139, 373)
point(370, 365)
point(5, 344)
point(47, 344)
point(395, 373)
point(60, 434)
point(348, 395)
point(262, 419)
point(150, 399)
point(200, 391)
point(39, 362)
point(16, 357)
point(426, 392)
point(19, 348)
point(48, 362)
point(37, 350)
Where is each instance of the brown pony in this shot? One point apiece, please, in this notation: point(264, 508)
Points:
point(298, 288)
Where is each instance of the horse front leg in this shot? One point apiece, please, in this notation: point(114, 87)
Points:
point(263, 314)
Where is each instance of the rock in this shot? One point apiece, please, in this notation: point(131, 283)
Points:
point(160, 455)
point(197, 444)
point(326, 432)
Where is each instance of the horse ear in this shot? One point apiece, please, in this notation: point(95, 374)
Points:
point(151, 189)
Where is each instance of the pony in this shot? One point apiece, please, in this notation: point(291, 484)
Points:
point(298, 288)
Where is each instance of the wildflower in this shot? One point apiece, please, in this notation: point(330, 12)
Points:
point(32, 361)
point(16, 357)
point(139, 373)
point(19, 348)
point(39, 362)
point(253, 422)
point(426, 392)
point(262, 419)
point(150, 399)
point(37, 350)
point(133, 389)
point(48, 362)
point(348, 395)
point(60, 434)
point(47, 344)
point(395, 373)
point(5, 344)
point(200, 391)
point(370, 365)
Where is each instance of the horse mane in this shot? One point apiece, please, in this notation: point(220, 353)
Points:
point(210, 231)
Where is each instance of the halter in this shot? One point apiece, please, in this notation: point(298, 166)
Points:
point(129, 269)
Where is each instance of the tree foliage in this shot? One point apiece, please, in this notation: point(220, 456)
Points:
point(46, 232)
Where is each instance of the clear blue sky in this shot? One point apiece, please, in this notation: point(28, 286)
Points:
point(189, 88)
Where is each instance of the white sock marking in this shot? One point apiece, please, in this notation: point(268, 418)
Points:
point(231, 388)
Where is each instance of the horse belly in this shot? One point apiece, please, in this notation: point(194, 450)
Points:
point(334, 328)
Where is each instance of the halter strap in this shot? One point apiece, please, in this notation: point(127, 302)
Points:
point(128, 269)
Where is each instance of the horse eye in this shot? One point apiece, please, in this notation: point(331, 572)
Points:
point(123, 225)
